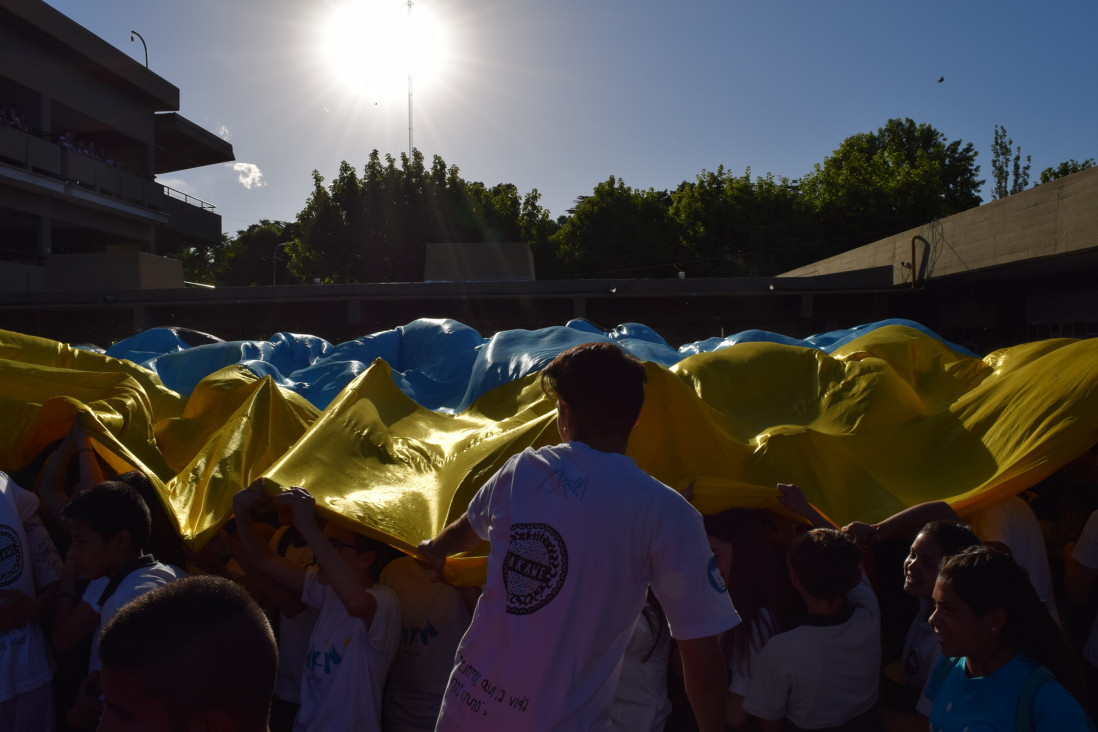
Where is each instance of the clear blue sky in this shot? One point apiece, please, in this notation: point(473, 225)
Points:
point(559, 95)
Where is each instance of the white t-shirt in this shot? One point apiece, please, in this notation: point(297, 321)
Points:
point(433, 617)
point(641, 703)
point(293, 632)
point(921, 649)
point(25, 661)
point(1012, 522)
point(821, 675)
point(346, 663)
point(149, 575)
point(577, 536)
point(742, 670)
point(1086, 554)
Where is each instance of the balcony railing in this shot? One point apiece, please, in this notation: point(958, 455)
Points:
point(187, 198)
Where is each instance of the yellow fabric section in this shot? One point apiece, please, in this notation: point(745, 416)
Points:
point(893, 419)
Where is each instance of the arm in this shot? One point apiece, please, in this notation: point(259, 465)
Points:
point(73, 619)
point(906, 523)
point(706, 681)
point(259, 555)
point(285, 600)
point(347, 584)
point(793, 498)
point(456, 538)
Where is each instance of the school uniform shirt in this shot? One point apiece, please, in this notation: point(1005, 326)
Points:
point(148, 575)
point(1086, 554)
point(824, 672)
point(990, 703)
point(347, 661)
point(577, 536)
point(433, 617)
point(25, 661)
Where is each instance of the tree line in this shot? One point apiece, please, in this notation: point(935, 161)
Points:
point(373, 224)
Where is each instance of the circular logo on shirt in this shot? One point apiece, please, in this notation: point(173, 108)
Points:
point(715, 578)
point(535, 567)
point(11, 556)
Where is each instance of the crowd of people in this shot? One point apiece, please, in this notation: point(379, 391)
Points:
point(19, 119)
point(14, 117)
point(609, 602)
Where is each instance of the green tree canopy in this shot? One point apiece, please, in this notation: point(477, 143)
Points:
point(1069, 166)
point(880, 183)
point(1003, 166)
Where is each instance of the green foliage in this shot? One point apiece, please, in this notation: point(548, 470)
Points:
point(374, 227)
point(1069, 166)
point(733, 226)
point(1003, 166)
point(619, 232)
point(880, 183)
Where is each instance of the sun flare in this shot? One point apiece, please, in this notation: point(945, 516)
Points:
point(372, 46)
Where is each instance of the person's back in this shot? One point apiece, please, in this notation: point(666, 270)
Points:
point(823, 673)
point(434, 617)
point(578, 533)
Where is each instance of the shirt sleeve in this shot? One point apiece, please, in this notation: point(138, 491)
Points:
point(483, 504)
point(685, 578)
point(312, 593)
point(1086, 549)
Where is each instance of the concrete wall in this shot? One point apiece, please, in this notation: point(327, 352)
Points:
point(1053, 219)
point(112, 271)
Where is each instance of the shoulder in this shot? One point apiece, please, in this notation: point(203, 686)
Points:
point(1055, 708)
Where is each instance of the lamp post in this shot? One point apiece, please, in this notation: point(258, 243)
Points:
point(274, 262)
point(135, 33)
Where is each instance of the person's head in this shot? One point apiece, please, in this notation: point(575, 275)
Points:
point(359, 552)
point(825, 564)
point(599, 391)
point(109, 525)
point(195, 654)
point(986, 607)
point(935, 542)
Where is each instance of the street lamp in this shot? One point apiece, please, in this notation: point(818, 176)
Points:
point(135, 33)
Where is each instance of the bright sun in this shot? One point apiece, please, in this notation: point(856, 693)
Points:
point(372, 45)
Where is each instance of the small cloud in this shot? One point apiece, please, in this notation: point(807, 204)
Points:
point(249, 174)
point(223, 132)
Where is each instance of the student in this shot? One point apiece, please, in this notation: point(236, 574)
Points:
point(109, 526)
point(434, 615)
point(197, 654)
point(30, 565)
point(577, 534)
point(1005, 662)
point(357, 631)
point(753, 568)
point(822, 674)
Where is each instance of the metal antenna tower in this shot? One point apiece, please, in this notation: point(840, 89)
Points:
point(409, 40)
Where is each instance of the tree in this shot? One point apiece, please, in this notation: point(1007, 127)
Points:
point(736, 226)
point(254, 256)
point(1069, 166)
point(619, 232)
point(1002, 166)
point(880, 183)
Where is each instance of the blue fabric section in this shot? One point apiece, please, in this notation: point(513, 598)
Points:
point(442, 364)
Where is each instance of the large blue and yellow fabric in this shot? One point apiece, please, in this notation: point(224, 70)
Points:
point(394, 432)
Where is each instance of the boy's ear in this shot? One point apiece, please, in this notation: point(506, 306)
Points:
point(794, 578)
point(122, 541)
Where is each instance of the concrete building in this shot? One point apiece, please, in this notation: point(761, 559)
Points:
point(79, 201)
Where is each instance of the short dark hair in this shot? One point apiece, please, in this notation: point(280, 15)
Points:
point(950, 536)
point(602, 385)
point(827, 562)
point(198, 644)
point(110, 507)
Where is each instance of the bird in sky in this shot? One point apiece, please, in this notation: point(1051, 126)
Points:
point(941, 79)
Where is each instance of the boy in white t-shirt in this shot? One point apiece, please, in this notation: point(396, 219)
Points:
point(578, 533)
point(358, 630)
point(824, 673)
point(109, 525)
